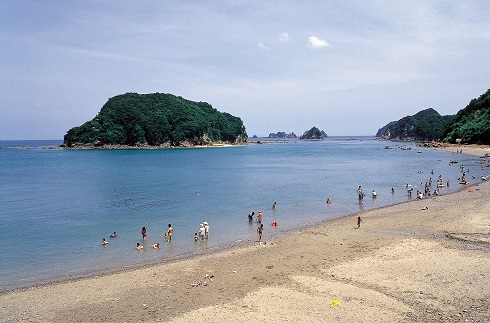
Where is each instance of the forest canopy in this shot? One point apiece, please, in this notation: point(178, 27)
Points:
point(157, 119)
point(470, 125)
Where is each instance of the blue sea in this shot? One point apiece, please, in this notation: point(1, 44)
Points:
point(56, 205)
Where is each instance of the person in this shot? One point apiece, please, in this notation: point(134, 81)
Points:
point(104, 242)
point(202, 231)
point(113, 235)
point(144, 233)
point(392, 190)
point(206, 229)
point(447, 184)
point(259, 217)
point(198, 194)
point(359, 220)
point(156, 246)
point(166, 236)
point(138, 246)
point(360, 193)
point(374, 194)
point(196, 237)
point(260, 229)
point(251, 217)
point(170, 231)
point(329, 201)
point(274, 206)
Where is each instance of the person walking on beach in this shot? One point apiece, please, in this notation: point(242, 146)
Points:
point(359, 220)
point(144, 233)
point(170, 231)
point(260, 229)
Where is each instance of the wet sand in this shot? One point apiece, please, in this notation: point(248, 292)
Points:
point(405, 264)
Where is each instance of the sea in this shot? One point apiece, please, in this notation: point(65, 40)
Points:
point(56, 205)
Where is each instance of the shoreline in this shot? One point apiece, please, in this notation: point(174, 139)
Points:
point(286, 270)
point(229, 246)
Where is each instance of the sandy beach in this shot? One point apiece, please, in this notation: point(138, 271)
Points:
point(421, 261)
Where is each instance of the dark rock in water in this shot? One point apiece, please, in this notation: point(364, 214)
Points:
point(314, 134)
point(282, 134)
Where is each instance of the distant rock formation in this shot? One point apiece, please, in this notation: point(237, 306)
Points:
point(314, 134)
point(282, 134)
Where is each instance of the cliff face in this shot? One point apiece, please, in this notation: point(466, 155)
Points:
point(157, 119)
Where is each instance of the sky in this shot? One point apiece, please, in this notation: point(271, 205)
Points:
point(346, 67)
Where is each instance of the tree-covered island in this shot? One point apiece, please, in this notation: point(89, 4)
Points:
point(156, 120)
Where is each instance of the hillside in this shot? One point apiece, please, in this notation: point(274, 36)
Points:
point(157, 119)
point(472, 123)
point(426, 125)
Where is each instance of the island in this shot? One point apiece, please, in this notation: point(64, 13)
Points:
point(282, 134)
point(313, 134)
point(156, 120)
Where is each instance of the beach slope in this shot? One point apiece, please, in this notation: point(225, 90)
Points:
point(421, 261)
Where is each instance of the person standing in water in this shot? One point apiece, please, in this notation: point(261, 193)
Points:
point(360, 194)
point(170, 231)
point(260, 229)
point(274, 206)
point(144, 233)
point(251, 217)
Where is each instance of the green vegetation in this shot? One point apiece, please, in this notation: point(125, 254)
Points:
point(425, 125)
point(469, 125)
point(157, 119)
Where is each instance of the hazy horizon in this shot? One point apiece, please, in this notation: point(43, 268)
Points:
point(346, 67)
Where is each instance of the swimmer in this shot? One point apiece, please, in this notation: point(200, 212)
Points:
point(138, 246)
point(156, 246)
point(198, 194)
point(329, 202)
point(113, 235)
point(104, 242)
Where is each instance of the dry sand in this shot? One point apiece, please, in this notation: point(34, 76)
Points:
point(404, 264)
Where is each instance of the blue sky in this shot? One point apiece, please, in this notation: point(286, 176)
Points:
point(346, 67)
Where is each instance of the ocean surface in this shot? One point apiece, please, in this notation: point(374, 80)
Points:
point(56, 205)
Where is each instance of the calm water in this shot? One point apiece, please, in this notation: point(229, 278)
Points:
point(56, 205)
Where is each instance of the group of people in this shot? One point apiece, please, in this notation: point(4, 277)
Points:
point(203, 231)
